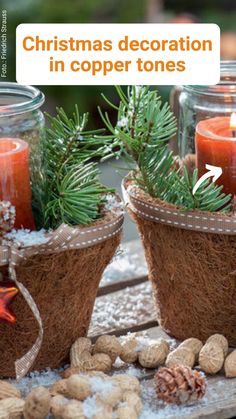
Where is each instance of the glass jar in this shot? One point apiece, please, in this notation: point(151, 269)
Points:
point(21, 119)
point(197, 103)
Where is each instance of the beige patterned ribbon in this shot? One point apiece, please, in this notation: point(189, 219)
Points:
point(64, 238)
point(189, 220)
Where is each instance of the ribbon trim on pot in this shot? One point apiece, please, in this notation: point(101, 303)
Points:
point(64, 238)
point(216, 223)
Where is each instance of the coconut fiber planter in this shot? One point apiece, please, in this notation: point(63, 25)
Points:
point(191, 258)
point(63, 282)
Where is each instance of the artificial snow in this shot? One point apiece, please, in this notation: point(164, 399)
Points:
point(100, 385)
point(44, 378)
point(138, 89)
point(133, 189)
point(26, 238)
point(89, 407)
point(9, 210)
point(121, 312)
point(113, 204)
point(123, 122)
point(128, 263)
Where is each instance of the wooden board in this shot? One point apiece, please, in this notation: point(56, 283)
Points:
point(127, 268)
point(125, 303)
point(219, 401)
point(130, 309)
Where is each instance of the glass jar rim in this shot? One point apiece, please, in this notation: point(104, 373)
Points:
point(227, 68)
point(32, 98)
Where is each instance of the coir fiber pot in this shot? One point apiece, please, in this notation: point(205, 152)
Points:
point(191, 258)
point(64, 286)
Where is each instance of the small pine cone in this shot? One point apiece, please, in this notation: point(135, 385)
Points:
point(179, 384)
point(7, 217)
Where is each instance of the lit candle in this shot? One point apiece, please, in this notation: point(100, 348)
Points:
point(216, 145)
point(15, 180)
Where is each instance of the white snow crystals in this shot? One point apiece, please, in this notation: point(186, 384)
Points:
point(123, 122)
point(113, 204)
point(24, 237)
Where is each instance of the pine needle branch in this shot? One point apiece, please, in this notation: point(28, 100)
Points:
point(141, 135)
point(69, 140)
point(72, 193)
point(77, 197)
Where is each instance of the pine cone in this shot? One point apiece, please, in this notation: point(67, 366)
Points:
point(7, 217)
point(179, 384)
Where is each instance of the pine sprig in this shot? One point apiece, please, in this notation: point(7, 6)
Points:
point(141, 135)
point(209, 197)
point(141, 121)
point(72, 193)
point(69, 141)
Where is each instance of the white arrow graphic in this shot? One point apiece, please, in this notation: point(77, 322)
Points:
point(214, 171)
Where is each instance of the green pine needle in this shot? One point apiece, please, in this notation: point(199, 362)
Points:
point(76, 198)
point(69, 141)
point(72, 193)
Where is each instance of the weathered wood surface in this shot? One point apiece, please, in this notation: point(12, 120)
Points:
point(130, 309)
point(125, 303)
point(127, 268)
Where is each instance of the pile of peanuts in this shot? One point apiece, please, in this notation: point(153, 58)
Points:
point(94, 395)
point(211, 356)
point(102, 355)
point(84, 385)
point(85, 389)
point(109, 397)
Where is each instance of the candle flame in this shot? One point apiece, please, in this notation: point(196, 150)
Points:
point(233, 121)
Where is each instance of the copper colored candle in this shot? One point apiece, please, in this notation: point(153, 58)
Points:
point(15, 180)
point(216, 145)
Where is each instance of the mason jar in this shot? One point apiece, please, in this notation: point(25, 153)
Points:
point(197, 103)
point(21, 118)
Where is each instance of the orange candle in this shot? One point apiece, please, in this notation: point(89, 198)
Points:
point(15, 180)
point(215, 141)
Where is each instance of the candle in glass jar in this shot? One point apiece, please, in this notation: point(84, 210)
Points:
point(215, 141)
point(15, 180)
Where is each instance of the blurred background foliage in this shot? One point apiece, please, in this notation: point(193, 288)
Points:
point(118, 11)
